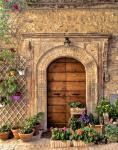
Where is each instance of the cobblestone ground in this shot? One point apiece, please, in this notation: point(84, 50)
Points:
point(38, 143)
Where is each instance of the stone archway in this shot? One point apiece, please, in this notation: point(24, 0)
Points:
point(91, 76)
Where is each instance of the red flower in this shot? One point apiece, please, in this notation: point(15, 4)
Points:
point(15, 6)
point(6, 1)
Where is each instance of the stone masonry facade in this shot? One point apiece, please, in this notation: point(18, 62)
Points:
point(94, 41)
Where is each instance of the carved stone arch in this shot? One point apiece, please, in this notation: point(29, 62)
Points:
point(91, 76)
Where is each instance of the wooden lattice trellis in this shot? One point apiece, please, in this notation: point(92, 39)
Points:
point(17, 111)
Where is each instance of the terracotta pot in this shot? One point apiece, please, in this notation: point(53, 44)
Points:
point(59, 143)
point(15, 133)
point(78, 143)
point(97, 128)
point(26, 137)
point(37, 129)
point(4, 135)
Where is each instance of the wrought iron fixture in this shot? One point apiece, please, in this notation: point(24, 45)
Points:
point(67, 41)
point(30, 45)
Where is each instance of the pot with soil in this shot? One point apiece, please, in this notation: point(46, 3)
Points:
point(15, 131)
point(26, 134)
point(4, 132)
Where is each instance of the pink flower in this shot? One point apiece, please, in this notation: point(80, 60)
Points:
point(64, 129)
point(15, 6)
point(6, 1)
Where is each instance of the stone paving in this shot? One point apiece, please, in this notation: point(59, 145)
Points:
point(39, 143)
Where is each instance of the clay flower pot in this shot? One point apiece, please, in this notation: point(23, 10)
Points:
point(4, 135)
point(26, 137)
point(15, 132)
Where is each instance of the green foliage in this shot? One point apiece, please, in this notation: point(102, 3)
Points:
point(26, 130)
point(76, 104)
point(103, 107)
point(34, 120)
point(87, 135)
point(93, 119)
point(7, 88)
point(7, 56)
point(111, 132)
point(61, 134)
point(5, 128)
point(100, 138)
point(73, 124)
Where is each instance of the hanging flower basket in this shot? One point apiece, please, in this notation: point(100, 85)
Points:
point(16, 96)
point(21, 72)
point(60, 144)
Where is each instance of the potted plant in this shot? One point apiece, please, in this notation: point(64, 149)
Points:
point(15, 130)
point(26, 133)
point(60, 138)
point(4, 132)
point(76, 108)
point(35, 122)
point(103, 109)
point(16, 96)
point(111, 132)
point(95, 123)
point(83, 136)
point(100, 138)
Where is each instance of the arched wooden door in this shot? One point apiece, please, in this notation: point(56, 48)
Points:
point(66, 82)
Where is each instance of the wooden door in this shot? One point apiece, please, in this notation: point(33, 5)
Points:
point(66, 82)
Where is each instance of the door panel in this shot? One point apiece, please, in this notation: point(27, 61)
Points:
point(66, 83)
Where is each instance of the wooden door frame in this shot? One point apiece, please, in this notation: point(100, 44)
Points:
point(91, 76)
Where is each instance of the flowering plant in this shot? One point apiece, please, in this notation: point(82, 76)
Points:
point(83, 120)
point(14, 4)
point(61, 134)
point(85, 134)
point(103, 107)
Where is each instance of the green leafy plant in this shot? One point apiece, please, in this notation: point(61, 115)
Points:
point(93, 119)
point(34, 120)
point(103, 107)
point(7, 88)
point(26, 130)
point(5, 128)
point(61, 134)
point(85, 134)
point(111, 132)
point(73, 124)
point(76, 104)
point(100, 138)
point(7, 56)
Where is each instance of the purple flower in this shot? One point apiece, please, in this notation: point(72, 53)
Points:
point(84, 118)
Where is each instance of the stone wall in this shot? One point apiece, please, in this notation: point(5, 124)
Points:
point(82, 20)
